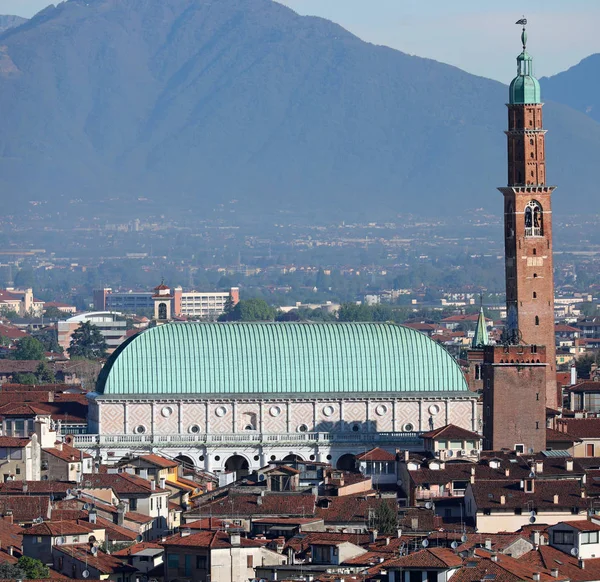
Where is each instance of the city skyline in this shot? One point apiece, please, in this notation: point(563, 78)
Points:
point(472, 36)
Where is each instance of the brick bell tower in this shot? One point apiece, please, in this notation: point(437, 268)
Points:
point(528, 222)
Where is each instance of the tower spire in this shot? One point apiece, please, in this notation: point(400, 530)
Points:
point(481, 338)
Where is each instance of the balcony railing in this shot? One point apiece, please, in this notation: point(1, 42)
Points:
point(176, 440)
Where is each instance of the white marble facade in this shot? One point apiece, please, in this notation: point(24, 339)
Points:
point(209, 431)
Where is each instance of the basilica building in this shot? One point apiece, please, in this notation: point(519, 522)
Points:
point(233, 396)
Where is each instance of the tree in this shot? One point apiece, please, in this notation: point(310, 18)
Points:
point(229, 306)
point(11, 315)
point(385, 519)
point(87, 342)
point(250, 310)
point(29, 348)
point(44, 374)
point(584, 366)
point(26, 378)
point(34, 569)
point(49, 339)
point(11, 572)
point(54, 313)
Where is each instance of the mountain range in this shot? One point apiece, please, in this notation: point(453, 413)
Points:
point(194, 103)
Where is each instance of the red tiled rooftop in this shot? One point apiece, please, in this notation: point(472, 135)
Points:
point(376, 454)
point(159, 461)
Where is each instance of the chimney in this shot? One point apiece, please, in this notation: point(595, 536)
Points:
point(472, 479)
point(234, 540)
point(502, 501)
point(581, 564)
point(583, 494)
point(399, 533)
point(473, 471)
point(373, 534)
point(535, 538)
point(569, 464)
point(152, 485)
point(25, 487)
point(8, 516)
point(387, 541)
point(259, 500)
point(92, 516)
point(507, 472)
point(186, 531)
point(554, 572)
point(120, 514)
point(162, 482)
point(539, 466)
point(406, 456)
point(573, 375)
point(536, 577)
point(494, 557)
point(488, 542)
point(555, 499)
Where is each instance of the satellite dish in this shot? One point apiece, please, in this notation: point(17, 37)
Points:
point(139, 539)
point(532, 519)
point(532, 513)
point(454, 545)
point(94, 550)
point(60, 541)
point(531, 450)
point(51, 497)
point(68, 492)
point(85, 574)
point(425, 543)
point(429, 505)
point(450, 453)
point(86, 506)
point(463, 538)
point(574, 552)
point(531, 475)
point(261, 477)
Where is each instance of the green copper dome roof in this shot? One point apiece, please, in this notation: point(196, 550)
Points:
point(524, 88)
point(279, 358)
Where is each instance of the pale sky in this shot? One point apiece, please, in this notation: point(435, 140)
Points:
point(478, 36)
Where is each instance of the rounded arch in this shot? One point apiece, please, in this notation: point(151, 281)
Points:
point(346, 462)
point(293, 457)
point(534, 219)
point(186, 461)
point(239, 464)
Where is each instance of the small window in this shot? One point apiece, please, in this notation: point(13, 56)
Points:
point(534, 295)
point(537, 424)
point(532, 155)
point(531, 142)
point(537, 395)
point(537, 320)
point(519, 449)
point(535, 251)
point(173, 561)
point(535, 275)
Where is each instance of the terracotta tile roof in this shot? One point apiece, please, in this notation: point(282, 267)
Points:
point(348, 509)
point(115, 532)
point(376, 454)
point(586, 386)
point(60, 528)
point(488, 494)
point(499, 541)
point(68, 453)
point(437, 558)
point(368, 559)
point(36, 487)
point(556, 436)
point(451, 431)
point(69, 514)
point(131, 550)
point(104, 563)
point(583, 525)
point(122, 483)
point(13, 443)
point(25, 508)
point(159, 461)
point(137, 517)
point(583, 428)
point(11, 332)
point(21, 409)
point(10, 535)
point(208, 539)
point(235, 505)
point(302, 542)
point(207, 523)
point(503, 569)
point(567, 565)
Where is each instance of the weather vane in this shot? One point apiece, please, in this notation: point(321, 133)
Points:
point(523, 23)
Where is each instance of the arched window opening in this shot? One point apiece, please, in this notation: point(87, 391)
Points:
point(534, 219)
point(537, 320)
point(532, 155)
point(535, 275)
point(534, 295)
point(477, 372)
point(162, 311)
point(531, 142)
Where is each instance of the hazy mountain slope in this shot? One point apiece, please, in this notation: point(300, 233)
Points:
point(577, 87)
point(7, 22)
point(196, 102)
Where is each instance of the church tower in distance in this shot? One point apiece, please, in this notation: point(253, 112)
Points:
point(528, 223)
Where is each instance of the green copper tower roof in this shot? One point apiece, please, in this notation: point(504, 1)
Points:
point(272, 359)
point(524, 88)
point(481, 338)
